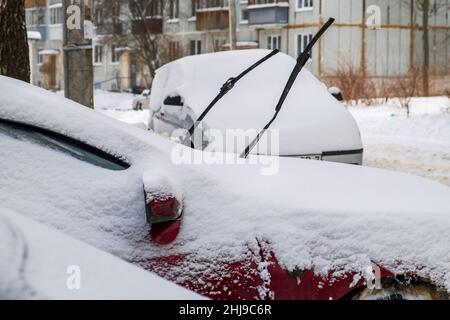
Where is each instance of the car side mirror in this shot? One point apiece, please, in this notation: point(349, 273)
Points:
point(336, 93)
point(164, 207)
point(174, 101)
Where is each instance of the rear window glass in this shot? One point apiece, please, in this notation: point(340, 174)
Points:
point(63, 144)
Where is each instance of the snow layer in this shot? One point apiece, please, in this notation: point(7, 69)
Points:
point(317, 215)
point(36, 262)
point(311, 121)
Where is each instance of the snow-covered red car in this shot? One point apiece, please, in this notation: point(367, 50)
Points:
point(315, 230)
point(312, 124)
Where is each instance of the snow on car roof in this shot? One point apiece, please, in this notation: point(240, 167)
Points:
point(309, 111)
point(36, 262)
point(317, 215)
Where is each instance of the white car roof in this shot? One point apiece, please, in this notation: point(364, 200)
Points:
point(325, 216)
point(311, 121)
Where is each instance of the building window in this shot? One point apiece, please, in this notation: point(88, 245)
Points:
point(98, 54)
point(40, 57)
point(56, 15)
point(302, 42)
point(153, 9)
point(220, 45)
point(35, 16)
point(174, 9)
point(305, 5)
point(98, 16)
point(194, 8)
point(196, 47)
point(115, 56)
point(210, 4)
point(244, 16)
point(174, 50)
point(30, 17)
point(274, 42)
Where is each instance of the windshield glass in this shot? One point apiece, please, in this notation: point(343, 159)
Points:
point(62, 144)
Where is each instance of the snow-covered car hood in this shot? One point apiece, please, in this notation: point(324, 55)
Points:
point(37, 262)
point(311, 121)
point(317, 215)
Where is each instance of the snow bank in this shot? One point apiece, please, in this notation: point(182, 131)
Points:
point(317, 215)
point(429, 120)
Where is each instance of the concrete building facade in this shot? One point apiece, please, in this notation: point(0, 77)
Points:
point(381, 38)
point(44, 24)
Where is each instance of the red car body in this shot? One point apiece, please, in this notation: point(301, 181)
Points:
point(244, 280)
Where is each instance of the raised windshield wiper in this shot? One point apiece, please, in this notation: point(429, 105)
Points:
point(301, 61)
point(227, 86)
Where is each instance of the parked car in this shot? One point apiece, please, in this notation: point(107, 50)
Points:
point(37, 262)
point(312, 123)
point(224, 231)
point(142, 101)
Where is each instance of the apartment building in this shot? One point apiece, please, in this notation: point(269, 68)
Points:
point(111, 55)
point(202, 26)
point(44, 19)
point(44, 24)
point(189, 27)
point(382, 38)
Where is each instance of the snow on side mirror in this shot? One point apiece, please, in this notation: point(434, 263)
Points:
point(163, 200)
point(164, 207)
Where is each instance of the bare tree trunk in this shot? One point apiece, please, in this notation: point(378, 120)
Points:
point(14, 54)
point(426, 47)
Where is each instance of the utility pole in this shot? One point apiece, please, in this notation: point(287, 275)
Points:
point(77, 48)
point(232, 24)
point(363, 58)
point(426, 47)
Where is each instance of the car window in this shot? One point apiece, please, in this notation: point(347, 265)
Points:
point(60, 143)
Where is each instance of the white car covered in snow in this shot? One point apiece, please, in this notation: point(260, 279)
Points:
point(142, 101)
point(315, 230)
point(312, 123)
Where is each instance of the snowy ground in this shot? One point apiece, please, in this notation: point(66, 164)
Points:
point(419, 145)
point(119, 106)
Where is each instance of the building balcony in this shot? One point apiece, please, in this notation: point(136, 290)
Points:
point(41, 29)
point(212, 20)
point(152, 25)
point(35, 3)
point(262, 12)
point(212, 14)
